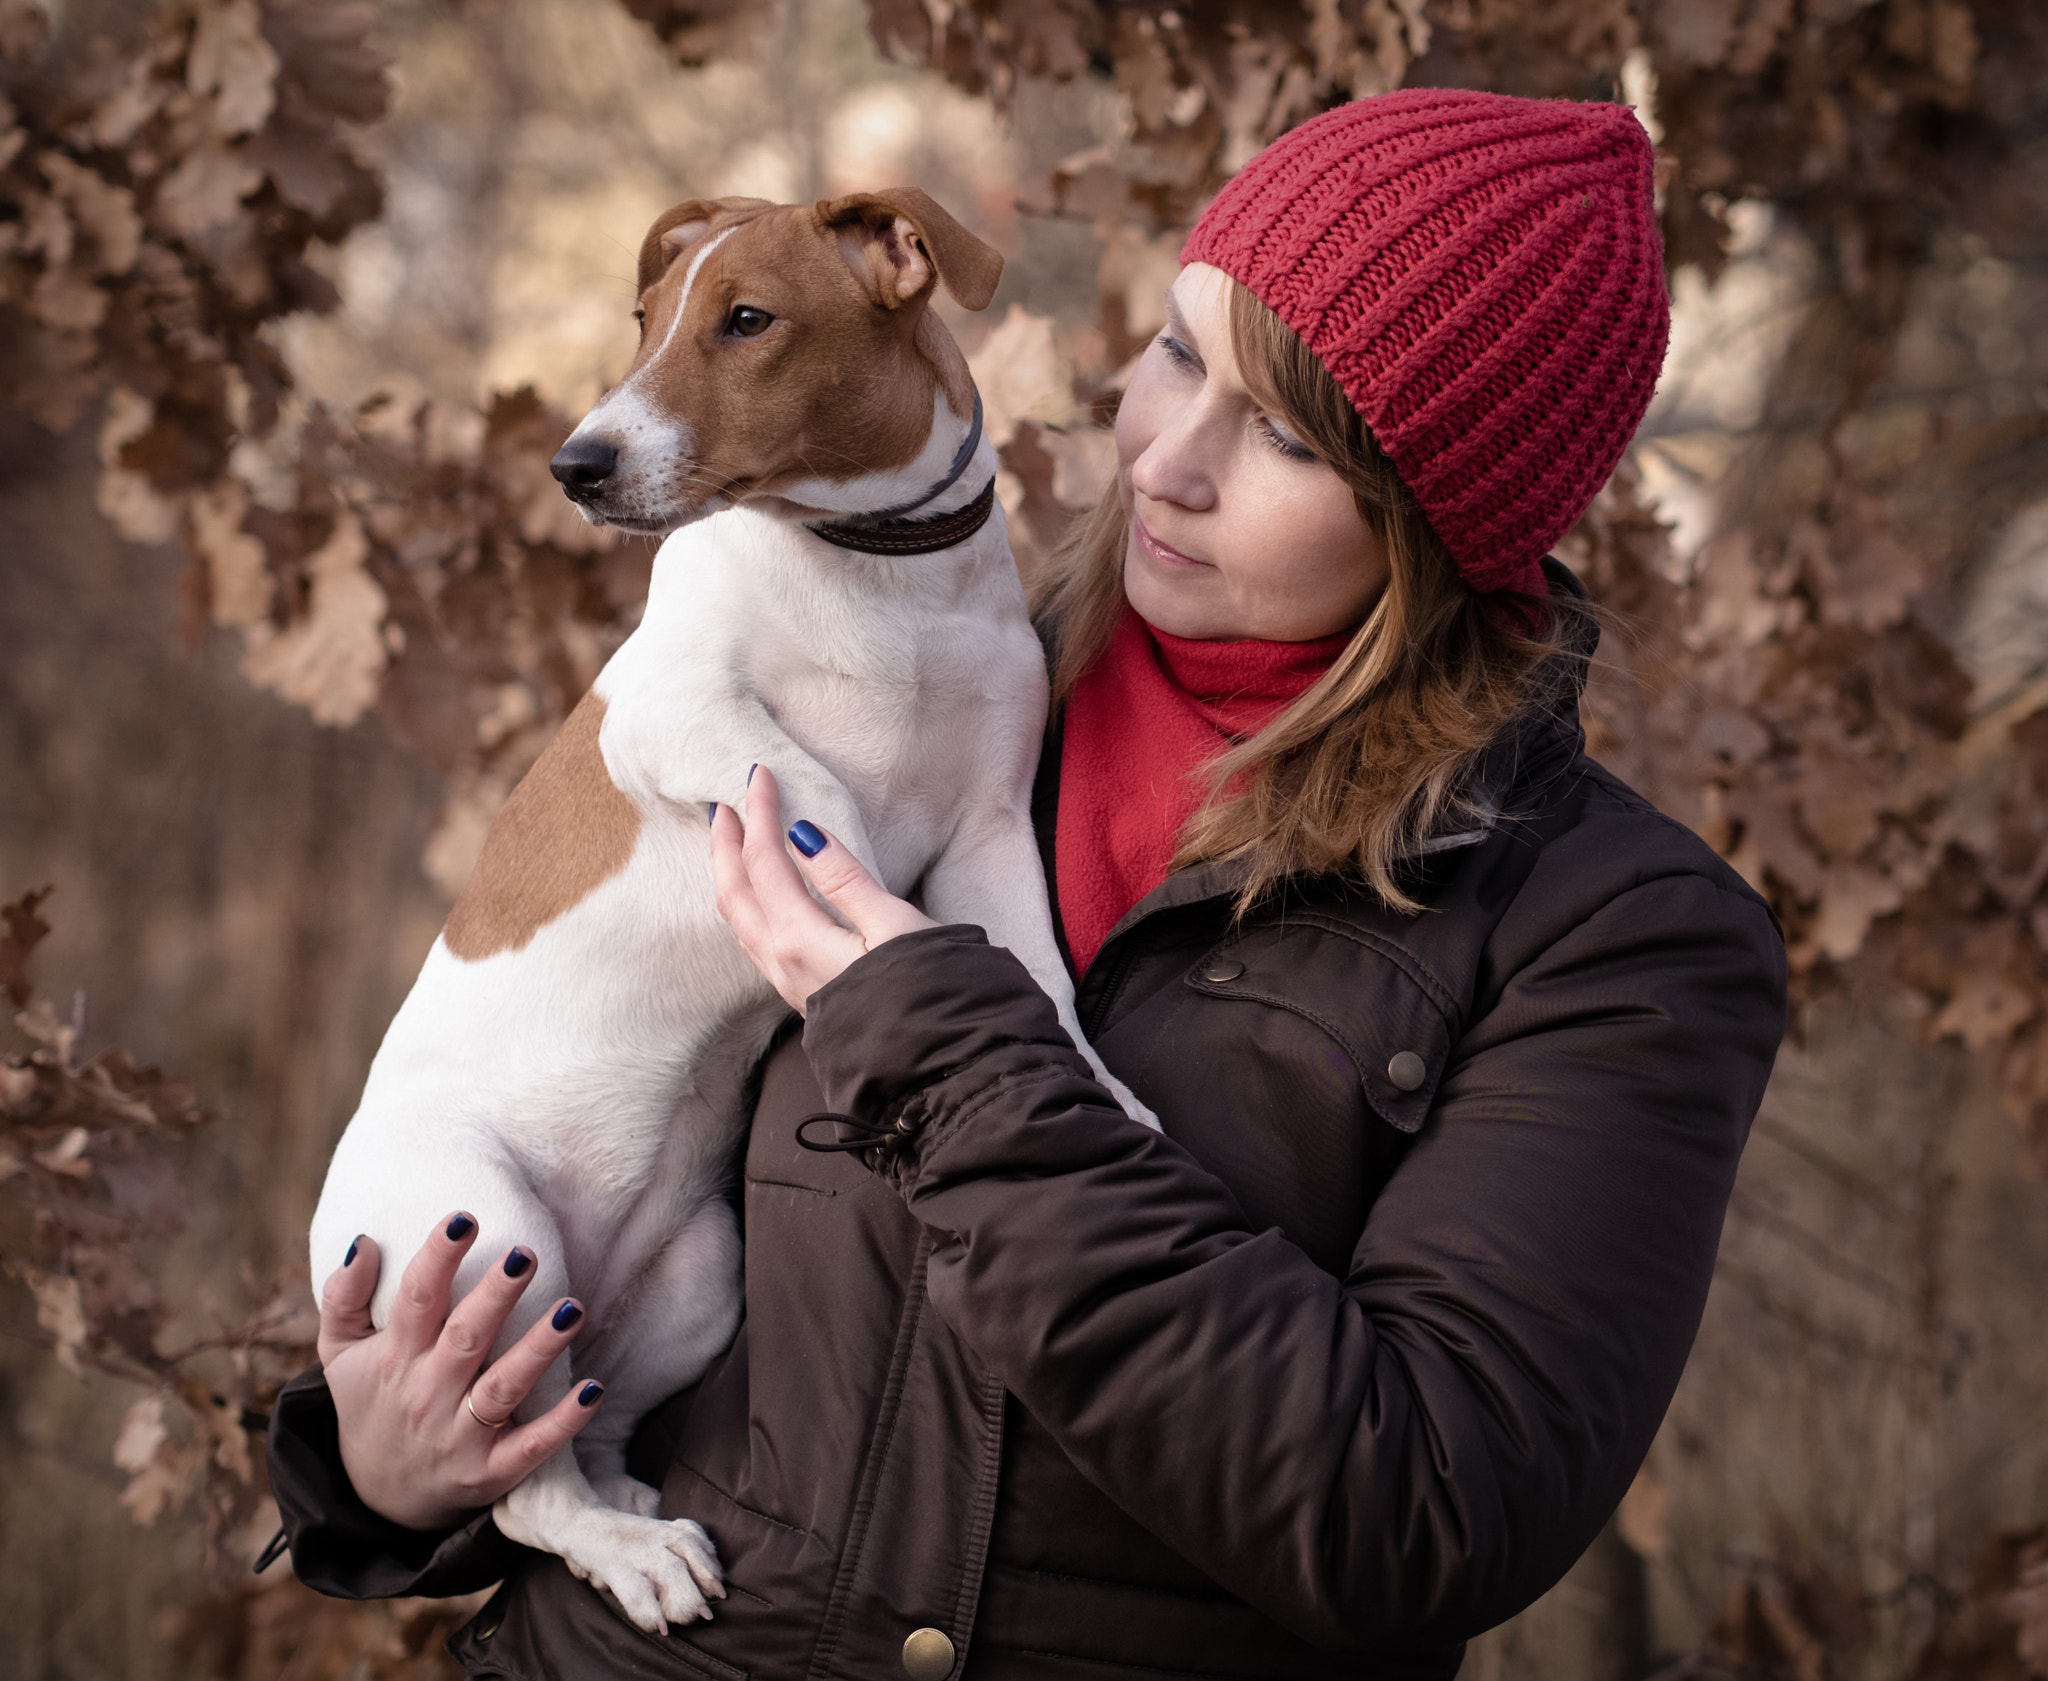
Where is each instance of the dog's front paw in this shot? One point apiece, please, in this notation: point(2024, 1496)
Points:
point(660, 1571)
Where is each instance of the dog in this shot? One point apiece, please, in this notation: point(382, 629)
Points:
point(836, 600)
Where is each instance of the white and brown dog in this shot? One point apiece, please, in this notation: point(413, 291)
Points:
point(838, 602)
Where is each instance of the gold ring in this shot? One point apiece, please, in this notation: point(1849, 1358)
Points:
point(469, 1401)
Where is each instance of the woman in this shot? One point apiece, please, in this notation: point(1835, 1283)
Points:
point(1454, 1040)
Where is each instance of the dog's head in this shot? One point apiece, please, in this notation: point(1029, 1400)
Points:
point(786, 357)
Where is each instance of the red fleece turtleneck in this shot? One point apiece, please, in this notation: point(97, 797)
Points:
point(1150, 711)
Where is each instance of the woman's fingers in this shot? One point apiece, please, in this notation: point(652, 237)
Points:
point(792, 937)
point(345, 1300)
point(848, 888)
point(517, 1451)
point(785, 904)
point(472, 1327)
point(421, 1306)
point(508, 1379)
point(736, 900)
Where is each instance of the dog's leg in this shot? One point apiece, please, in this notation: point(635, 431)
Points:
point(688, 768)
point(660, 1572)
point(990, 874)
point(811, 792)
point(683, 1311)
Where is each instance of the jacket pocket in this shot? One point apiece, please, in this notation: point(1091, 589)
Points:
point(545, 1625)
point(1392, 1018)
point(1296, 1062)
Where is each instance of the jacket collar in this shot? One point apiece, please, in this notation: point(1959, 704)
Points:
point(1525, 760)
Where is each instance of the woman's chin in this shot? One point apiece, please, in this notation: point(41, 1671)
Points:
point(1181, 605)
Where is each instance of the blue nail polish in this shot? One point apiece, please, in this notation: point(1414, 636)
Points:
point(516, 1263)
point(711, 812)
point(807, 838)
point(566, 1315)
point(354, 1244)
point(590, 1394)
point(460, 1227)
point(750, 774)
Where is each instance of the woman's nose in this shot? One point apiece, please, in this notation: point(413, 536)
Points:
point(1175, 467)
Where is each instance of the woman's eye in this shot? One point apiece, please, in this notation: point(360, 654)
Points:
point(1177, 353)
point(748, 322)
point(1285, 441)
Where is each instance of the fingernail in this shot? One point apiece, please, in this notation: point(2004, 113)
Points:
point(806, 838)
point(711, 812)
point(590, 1394)
point(750, 774)
point(460, 1227)
point(354, 1244)
point(516, 1263)
point(566, 1315)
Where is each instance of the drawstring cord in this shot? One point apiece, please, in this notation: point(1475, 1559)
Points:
point(853, 1136)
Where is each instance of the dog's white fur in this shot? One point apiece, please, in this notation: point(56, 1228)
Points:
point(582, 1094)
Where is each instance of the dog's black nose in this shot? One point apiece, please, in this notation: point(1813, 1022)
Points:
point(582, 465)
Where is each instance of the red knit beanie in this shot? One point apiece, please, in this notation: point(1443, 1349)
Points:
point(1483, 277)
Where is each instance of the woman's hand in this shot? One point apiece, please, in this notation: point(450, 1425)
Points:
point(415, 1450)
point(788, 934)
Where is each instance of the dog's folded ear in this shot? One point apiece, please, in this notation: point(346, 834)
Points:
point(676, 230)
point(895, 242)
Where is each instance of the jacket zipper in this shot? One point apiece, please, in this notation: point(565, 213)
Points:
point(1118, 974)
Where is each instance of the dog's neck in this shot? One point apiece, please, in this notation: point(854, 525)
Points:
point(921, 525)
point(912, 536)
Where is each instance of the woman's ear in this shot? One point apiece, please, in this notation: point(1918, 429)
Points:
point(897, 242)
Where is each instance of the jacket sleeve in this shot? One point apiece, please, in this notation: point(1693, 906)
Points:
point(339, 1545)
point(1413, 1452)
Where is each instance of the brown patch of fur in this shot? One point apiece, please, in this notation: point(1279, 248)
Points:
point(841, 383)
point(565, 830)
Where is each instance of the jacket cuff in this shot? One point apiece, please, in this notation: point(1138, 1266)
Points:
point(339, 1546)
point(919, 1009)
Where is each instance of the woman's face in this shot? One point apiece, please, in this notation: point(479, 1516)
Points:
point(1237, 528)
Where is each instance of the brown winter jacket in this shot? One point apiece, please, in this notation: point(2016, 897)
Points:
point(1348, 1365)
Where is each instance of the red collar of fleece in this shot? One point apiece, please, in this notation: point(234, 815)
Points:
point(1152, 710)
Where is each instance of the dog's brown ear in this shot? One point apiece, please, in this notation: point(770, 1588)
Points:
point(673, 233)
point(896, 241)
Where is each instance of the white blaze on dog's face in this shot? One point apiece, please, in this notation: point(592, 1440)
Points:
point(786, 353)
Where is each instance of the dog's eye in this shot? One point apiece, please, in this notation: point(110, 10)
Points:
point(640, 321)
point(748, 322)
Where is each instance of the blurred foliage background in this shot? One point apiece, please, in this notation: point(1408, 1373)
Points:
point(296, 298)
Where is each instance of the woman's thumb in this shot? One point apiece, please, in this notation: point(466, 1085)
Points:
point(345, 1299)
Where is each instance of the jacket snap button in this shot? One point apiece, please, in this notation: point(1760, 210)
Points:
point(928, 1655)
point(1223, 969)
point(1407, 1070)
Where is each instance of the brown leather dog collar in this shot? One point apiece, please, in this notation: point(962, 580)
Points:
point(913, 536)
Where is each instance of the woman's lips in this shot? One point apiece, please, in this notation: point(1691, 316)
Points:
point(1158, 550)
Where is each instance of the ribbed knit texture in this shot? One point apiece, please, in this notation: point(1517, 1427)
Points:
point(1484, 278)
point(1150, 711)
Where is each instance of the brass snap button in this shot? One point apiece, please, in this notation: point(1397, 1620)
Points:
point(928, 1655)
point(1222, 969)
point(1407, 1070)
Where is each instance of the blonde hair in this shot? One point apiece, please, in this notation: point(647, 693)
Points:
point(1378, 756)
